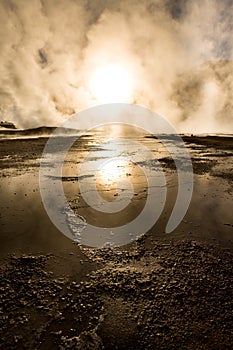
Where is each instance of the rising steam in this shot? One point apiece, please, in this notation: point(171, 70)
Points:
point(178, 52)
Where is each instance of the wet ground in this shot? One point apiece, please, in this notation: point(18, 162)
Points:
point(164, 291)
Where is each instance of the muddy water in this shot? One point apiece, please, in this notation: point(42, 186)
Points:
point(24, 223)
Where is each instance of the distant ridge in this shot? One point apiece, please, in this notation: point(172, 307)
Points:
point(7, 125)
point(41, 130)
point(33, 131)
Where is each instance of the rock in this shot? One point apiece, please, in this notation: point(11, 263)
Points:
point(87, 340)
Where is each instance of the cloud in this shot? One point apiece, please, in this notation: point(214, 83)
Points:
point(178, 52)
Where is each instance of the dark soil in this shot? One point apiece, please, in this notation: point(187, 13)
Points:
point(173, 295)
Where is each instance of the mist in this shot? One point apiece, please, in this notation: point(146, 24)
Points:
point(179, 54)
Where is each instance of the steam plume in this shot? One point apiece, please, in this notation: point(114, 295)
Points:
point(180, 53)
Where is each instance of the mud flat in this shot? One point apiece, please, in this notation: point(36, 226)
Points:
point(164, 291)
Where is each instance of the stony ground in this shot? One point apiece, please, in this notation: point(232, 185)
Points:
point(171, 295)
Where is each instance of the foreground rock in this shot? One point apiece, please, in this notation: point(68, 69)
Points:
point(167, 296)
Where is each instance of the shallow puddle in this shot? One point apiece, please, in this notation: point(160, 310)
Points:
point(107, 182)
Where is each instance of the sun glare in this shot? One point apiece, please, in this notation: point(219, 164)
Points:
point(111, 83)
point(113, 171)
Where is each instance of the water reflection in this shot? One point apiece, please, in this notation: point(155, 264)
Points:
point(110, 190)
point(25, 225)
point(113, 171)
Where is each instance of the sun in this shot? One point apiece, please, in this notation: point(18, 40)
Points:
point(111, 83)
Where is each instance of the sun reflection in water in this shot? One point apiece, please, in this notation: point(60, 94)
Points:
point(113, 171)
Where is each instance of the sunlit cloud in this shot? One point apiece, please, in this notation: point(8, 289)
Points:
point(78, 54)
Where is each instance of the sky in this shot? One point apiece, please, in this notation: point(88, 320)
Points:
point(59, 57)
